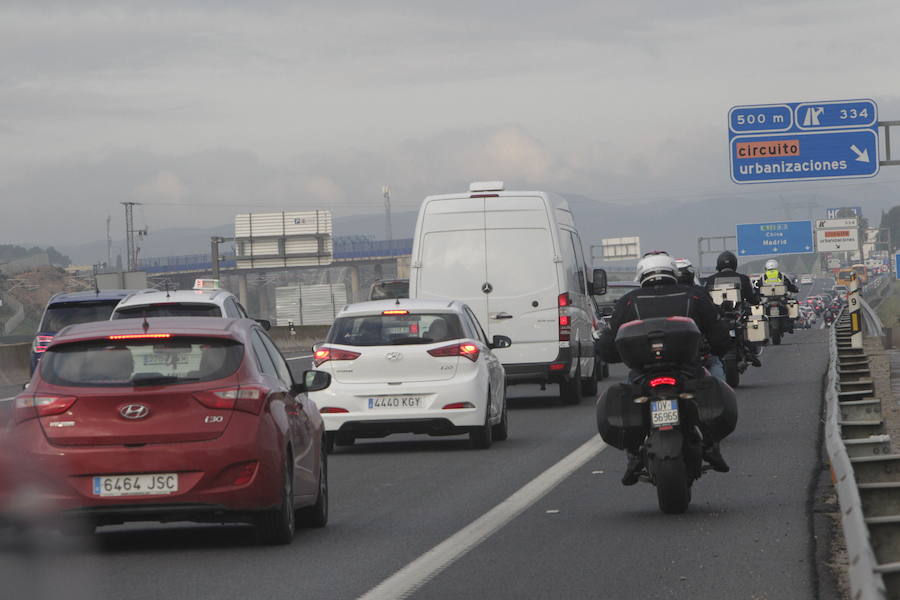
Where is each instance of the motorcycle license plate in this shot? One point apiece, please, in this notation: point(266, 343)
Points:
point(664, 413)
point(774, 312)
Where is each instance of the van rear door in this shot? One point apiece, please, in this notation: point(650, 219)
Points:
point(450, 256)
point(522, 270)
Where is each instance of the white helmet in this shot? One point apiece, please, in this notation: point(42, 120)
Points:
point(656, 268)
point(771, 264)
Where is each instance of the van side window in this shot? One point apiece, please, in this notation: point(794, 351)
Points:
point(574, 269)
point(582, 265)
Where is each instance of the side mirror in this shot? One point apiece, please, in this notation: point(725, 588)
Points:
point(313, 381)
point(266, 324)
point(500, 341)
point(598, 286)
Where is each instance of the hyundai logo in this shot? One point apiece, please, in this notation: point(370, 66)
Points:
point(134, 411)
point(394, 356)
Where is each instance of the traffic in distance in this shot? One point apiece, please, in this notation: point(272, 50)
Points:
point(175, 406)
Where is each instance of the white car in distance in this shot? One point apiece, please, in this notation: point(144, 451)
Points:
point(411, 366)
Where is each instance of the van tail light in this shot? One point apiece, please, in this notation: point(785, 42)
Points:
point(466, 349)
point(245, 399)
point(565, 320)
point(40, 343)
point(29, 406)
point(324, 354)
point(658, 381)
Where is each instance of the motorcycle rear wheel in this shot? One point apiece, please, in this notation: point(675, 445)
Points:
point(673, 489)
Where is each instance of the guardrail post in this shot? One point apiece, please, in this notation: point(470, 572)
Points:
point(853, 303)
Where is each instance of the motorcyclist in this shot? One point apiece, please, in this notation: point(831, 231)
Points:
point(773, 276)
point(726, 268)
point(660, 295)
point(687, 275)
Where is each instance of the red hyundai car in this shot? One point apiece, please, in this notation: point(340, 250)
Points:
point(175, 419)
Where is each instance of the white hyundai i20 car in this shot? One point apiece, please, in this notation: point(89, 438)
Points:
point(411, 366)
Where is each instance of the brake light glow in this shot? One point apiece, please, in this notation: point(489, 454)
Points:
point(565, 321)
point(28, 406)
point(458, 405)
point(325, 354)
point(246, 473)
point(140, 336)
point(466, 349)
point(564, 299)
point(680, 319)
point(557, 366)
point(331, 410)
point(41, 342)
point(244, 399)
point(395, 312)
point(658, 381)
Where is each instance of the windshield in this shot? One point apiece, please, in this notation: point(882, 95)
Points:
point(387, 330)
point(119, 364)
point(63, 314)
point(175, 309)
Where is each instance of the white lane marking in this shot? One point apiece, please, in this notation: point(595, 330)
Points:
point(414, 575)
point(7, 399)
point(299, 357)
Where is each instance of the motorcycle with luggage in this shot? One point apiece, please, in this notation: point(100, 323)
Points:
point(726, 294)
point(671, 409)
point(780, 309)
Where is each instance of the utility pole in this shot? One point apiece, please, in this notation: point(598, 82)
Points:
point(108, 243)
point(386, 192)
point(131, 247)
point(214, 254)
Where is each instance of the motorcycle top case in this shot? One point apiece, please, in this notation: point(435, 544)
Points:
point(620, 421)
point(716, 405)
point(674, 340)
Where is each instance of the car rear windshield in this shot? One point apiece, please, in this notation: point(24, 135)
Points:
point(174, 309)
point(389, 330)
point(387, 290)
point(141, 362)
point(62, 314)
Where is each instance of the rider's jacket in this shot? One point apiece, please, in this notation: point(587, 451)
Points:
point(774, 277)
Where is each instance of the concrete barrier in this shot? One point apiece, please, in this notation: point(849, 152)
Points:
point(301, 339)
point(14, 361)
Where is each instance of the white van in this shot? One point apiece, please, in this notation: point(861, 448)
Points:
point(517, 260)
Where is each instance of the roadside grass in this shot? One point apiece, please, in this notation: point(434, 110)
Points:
point(889, 309)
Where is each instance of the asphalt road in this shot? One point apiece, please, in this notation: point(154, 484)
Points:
point(747, 534)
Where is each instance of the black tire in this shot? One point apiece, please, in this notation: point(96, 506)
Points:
point(732, 372)
point(481, 437)
point(500, 431)
point(673, 490)
point(589, 385)
point(605, 371)
point(776, 338)
point(317, 514)
point(276, 527)
point(329, 441)
point(570, 389)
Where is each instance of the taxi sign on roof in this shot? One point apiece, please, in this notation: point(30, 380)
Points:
point(207, 284)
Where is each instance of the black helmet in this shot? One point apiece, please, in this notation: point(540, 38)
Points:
point(726, 260)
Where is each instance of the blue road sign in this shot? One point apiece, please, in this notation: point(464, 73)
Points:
point(897, 266)
point(799, 141)
point(782, 237)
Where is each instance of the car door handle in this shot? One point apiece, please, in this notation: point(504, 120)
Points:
point(502, 315)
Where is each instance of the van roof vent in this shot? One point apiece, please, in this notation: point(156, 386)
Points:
point(486, 186)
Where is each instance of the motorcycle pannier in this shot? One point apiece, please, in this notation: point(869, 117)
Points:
point(659, 340)
point(716, 404)
point(757, 329)
point(793, 309)
point(619, 420)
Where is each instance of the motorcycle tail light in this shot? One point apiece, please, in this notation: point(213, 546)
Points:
point(658, 381)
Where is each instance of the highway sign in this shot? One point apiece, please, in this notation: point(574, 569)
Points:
point(836, 223)
point(897, 266)
point(625, 248)
point(832, 213)
point(837, 240)
point(799, 141)
point(781, 237)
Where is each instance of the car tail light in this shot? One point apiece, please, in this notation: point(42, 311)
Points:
point(658, 381)
point(331, 410)
point(325, 354)
point(140, 336)
point(245, 399)
point(41, 342)
point(395, 312)
point(28, 406)
point(458, 405)
point(467, 350)
point(245, 474)
point(557, 366)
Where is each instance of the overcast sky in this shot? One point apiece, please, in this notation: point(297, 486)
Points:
point(202, 109)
